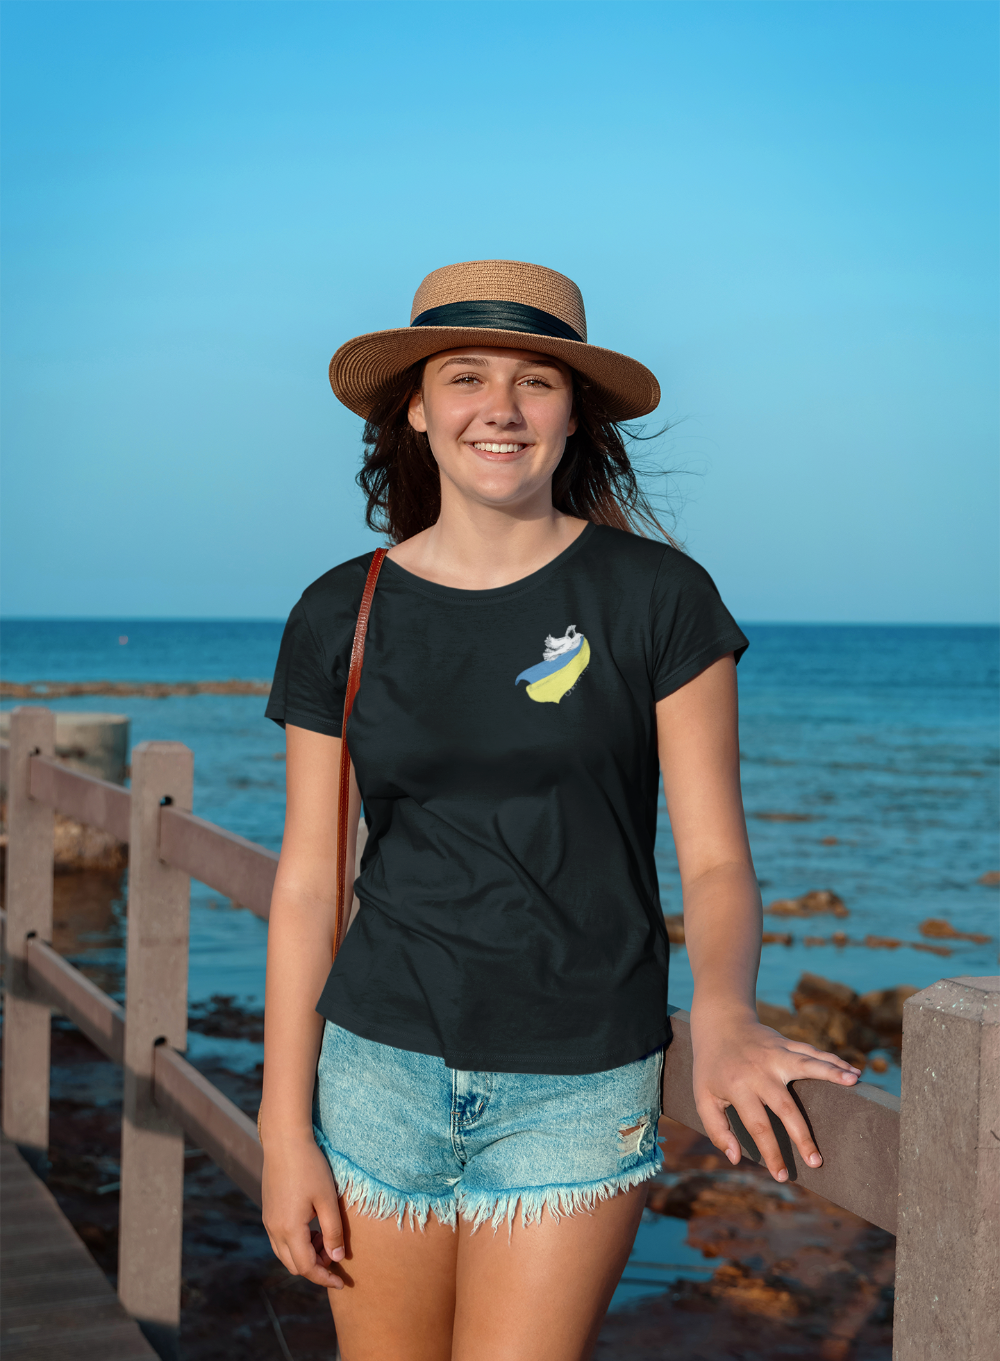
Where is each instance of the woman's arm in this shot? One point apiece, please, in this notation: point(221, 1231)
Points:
point(737, 1061)
point(298, 1185)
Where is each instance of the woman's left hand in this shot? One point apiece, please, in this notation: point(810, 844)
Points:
point(741, 1063)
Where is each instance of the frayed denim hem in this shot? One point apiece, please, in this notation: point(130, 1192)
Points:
point(378, 1201)
point(482, 1206)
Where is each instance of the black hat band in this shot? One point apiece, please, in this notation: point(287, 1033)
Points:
point(491, 315)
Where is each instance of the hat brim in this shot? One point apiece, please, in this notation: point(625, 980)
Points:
point(362, 368)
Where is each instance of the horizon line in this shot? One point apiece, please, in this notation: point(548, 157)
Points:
point(279, 619)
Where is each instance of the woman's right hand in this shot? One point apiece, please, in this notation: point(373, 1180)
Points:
point(298, 1187)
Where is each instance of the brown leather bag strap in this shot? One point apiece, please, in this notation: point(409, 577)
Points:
point(353, 681)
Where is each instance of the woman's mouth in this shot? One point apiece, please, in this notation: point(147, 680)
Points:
point(498, 452)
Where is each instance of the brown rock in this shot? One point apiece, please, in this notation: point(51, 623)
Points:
point(930, 949)
point(79, 847)
point(783, 817)
point(990, 877)
point(853, 1056)
point(882, 943)
point(776, 938)
point(784, 907)
point(675, 928)
point(814, 940)
point(823, 900)
point(144, 689)
point(705, 1196)
point(879, 1064)
point(939, 929)
point(788, 1024)
point(775, 1017)
point(812, 988)
point(837, 1030)
point(818, 1016)
point(882, 1009)
point(817, 902)
point(749, 1294)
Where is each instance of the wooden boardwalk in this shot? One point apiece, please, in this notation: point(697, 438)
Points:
point(55, 1301)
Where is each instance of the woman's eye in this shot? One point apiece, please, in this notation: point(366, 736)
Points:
point(536, 382)
point(465, 379)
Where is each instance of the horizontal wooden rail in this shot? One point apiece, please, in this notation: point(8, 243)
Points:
point(226, 862)
point(230, 864)
point(214, 1122)
point(856, 1128)
point(85, 798)
point(64, 987)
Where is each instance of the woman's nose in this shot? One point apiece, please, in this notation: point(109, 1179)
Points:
point(502, 409)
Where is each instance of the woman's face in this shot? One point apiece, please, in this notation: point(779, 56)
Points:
point(497, 421)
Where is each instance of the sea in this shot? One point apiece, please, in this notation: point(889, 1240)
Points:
point(869, 766)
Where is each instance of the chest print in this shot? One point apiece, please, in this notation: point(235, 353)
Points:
point(564, 660)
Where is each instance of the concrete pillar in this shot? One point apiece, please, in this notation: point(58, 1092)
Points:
point(92, 743)
point(948, 1244)
point(27, 1029)
point(152, 1177)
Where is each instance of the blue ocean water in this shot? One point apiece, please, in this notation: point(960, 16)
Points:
point(883, 737)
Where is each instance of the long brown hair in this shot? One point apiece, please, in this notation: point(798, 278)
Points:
point(594, 480)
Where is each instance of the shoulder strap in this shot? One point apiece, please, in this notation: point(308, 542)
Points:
point(353, 681)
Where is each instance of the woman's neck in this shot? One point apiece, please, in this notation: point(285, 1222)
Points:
point(477, 548)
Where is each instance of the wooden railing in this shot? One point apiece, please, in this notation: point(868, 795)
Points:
point(925, 1168)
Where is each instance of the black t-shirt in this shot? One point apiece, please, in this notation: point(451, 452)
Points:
point(505, 748)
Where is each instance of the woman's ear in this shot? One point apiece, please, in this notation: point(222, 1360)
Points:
point(571, 424)
point(415, 411)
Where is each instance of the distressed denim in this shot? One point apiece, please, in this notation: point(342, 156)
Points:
point(407, 1136)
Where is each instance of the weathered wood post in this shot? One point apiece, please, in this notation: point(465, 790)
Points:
point(152, 1177)
point(27, 1030)
point(948, 1244)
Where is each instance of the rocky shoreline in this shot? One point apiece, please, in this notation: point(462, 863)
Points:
point(130, 689)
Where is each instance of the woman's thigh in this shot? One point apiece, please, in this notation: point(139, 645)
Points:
point(538, 1292)
point(398, 1300)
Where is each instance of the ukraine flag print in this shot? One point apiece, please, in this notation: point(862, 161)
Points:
point(564, 662)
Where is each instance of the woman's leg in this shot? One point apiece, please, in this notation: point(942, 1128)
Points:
point(541, 1294)
point(398, 1301)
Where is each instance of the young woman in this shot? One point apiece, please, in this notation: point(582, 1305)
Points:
point(467, 1103)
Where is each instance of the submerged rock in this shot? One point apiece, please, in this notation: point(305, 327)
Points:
point(816, 902)
point(939, 929)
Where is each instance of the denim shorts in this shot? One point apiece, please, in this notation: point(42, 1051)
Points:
point(406, 1136)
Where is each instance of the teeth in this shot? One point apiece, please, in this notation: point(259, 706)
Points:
point(497, 448)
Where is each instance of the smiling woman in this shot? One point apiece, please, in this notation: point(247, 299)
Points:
point(594, 479)
point(487, 1048)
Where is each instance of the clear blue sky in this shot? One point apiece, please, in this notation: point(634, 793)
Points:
point(788, 211)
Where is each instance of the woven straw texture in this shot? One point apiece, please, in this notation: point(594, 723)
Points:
point(364, 366)
point(504, 281)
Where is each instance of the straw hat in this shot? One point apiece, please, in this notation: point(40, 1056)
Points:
point(492, 302)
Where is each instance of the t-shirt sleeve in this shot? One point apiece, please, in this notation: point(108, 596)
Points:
point(690, 626)
point(309, 686)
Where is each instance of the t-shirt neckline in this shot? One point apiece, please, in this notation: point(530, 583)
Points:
point(440, 592)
